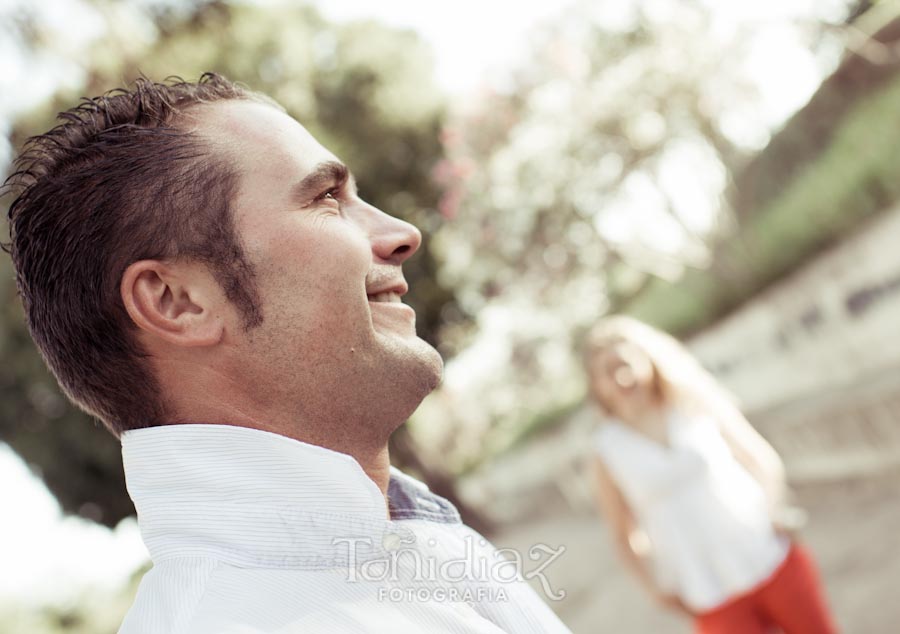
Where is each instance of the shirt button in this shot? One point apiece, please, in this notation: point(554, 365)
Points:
point(391, 541)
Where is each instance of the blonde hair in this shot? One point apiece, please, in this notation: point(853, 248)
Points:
point(682, 381)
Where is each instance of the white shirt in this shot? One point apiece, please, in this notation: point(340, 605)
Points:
point(254, 532)
point(706, 517)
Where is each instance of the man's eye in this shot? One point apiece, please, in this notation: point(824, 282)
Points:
point(331, 194)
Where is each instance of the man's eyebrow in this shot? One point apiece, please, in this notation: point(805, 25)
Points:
point(329, 173)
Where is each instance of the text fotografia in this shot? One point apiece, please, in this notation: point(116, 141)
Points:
point(423, 594)
point(405, 563)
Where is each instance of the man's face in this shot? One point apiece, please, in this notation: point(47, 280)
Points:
point(335, 335)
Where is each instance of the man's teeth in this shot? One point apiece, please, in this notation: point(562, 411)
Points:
point(387, 296)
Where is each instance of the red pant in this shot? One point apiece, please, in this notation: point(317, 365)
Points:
point(791, 599)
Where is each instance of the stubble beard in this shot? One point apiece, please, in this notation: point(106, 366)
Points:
point(379, 394)
point(352, 396)
point(412, 370)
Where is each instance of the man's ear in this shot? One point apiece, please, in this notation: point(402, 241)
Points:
point(177, 302)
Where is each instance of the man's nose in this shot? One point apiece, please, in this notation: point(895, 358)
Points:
point(393, 240)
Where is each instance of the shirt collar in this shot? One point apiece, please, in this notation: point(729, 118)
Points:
point(259, 498)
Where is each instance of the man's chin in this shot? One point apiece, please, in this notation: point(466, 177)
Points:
point(430, 359)
point(437, 367)
point(419, 362)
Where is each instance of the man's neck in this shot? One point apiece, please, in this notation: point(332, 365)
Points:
point(377, 466)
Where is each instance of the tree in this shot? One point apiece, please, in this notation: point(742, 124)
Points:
point(597, 171)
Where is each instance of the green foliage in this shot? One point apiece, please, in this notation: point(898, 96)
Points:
point(677, 306)
point(853, 178)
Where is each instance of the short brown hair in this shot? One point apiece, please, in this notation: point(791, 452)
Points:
point(116, 182)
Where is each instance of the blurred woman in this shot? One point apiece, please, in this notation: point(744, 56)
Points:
point(695, 497)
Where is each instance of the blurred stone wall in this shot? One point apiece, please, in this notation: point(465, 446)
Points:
point(815, 360)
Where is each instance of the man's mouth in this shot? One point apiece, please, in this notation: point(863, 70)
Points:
point(394, 314)
point(389, 297)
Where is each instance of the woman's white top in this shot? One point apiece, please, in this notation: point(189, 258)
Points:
point(706, 517)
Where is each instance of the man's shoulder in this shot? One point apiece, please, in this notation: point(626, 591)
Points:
point(205, 595)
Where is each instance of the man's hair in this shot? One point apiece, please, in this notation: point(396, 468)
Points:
point(119, 180)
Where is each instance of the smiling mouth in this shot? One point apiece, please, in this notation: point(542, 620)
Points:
point(387, 297)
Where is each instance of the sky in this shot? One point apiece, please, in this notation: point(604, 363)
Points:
point(45, 557)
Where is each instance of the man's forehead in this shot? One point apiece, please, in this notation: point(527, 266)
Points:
point(257, 131)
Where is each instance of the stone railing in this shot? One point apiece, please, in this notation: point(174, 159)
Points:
point(815, 360)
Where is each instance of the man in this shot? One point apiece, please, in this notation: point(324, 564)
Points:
point(200, 274)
